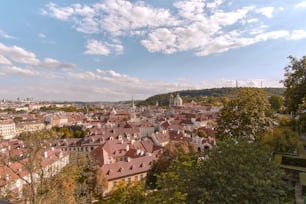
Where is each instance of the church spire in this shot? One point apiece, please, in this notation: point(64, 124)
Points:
point(133, 104)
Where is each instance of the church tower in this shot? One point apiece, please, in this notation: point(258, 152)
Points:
point(171, 100)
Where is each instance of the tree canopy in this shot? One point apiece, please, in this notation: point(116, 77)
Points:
point(247, 115)
point(235, 172)
point(276, 102)
point(295, 83)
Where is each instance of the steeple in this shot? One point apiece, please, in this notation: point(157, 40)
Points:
point(133, 104)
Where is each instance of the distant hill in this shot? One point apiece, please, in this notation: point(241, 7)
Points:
point(163, 99)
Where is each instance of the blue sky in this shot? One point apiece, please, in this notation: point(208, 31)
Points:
point(115, 49)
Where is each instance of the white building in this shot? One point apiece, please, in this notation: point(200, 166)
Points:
point(7, 129)
point(29, 127)
point(176, 101)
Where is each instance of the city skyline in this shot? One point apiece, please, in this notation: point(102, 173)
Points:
point(116, 50)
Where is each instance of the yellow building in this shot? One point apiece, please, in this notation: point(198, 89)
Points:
point(134, 170)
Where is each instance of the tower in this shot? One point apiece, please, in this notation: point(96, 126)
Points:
point(133, 104)
point(171, 100)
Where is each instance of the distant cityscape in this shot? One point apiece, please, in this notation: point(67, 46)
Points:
point(121, 136)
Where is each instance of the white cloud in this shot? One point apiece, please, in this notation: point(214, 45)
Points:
point(84, 76)
point(95, 47)
point(60, 13)
point(8, 70)
point(161, 40)
point(117, 86)
point(55, 64)
point(197, 25)
point(272, 35)
point(4, 60)
point(18, 54)
point(10, 55)
point(117, 17)
point(252, 20)
point(302, 4)
point(266, 11)
point(104, 85)
point(214, 4)
point(122, 16)
point(109, 76)
point(191, 10)
point(5, 35)
point(223, 18)
point(298, 34)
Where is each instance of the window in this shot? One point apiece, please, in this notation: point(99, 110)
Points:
point(129, 180)
point(141, 177)
point(114, 183)
point(136, 178)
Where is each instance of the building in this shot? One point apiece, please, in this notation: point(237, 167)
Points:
point(30, 126)
point(176, 101)
point(7, 129)
point(127, 172)
point(125, 161)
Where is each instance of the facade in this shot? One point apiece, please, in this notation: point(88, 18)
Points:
point(126, 172)
point(29, 127)
point(176, 101)
point(7, 129)
point(125, 161)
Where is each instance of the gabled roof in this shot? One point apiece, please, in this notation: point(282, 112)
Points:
point(135, 166)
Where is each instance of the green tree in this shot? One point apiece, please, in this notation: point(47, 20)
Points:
point(247, 115)
point(90, 180)
point(295, 82)
point(174, 184)
point(302, 117)
point(171, 152)
point(236, 172)
point(128, 194)
point(282, 139)
point(276, 102)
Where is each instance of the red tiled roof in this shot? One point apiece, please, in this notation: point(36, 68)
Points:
point(125, 169)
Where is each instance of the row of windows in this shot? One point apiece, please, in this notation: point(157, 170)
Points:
point(129, 179)
point(86, 149)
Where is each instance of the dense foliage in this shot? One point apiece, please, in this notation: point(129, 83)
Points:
point(247, 115)
point(282, 139)
point(71, 131)
point(64, 109)
point(276, 102)
point(171, 151)
point(295, 83)
point(210, 95)
point(234, 172)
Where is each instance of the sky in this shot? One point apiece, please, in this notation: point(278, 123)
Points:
point(112, 50)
